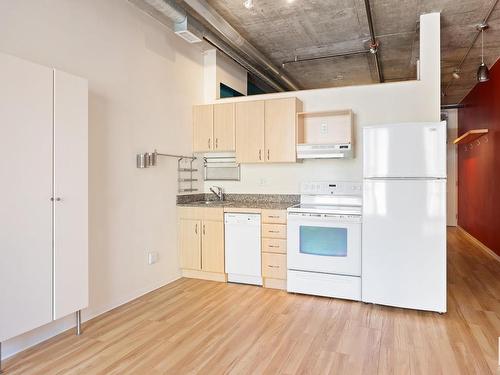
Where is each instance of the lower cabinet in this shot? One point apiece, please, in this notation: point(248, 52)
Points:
point(212, 246)
point(274, 248)
point(201, 242)
point(190, 244)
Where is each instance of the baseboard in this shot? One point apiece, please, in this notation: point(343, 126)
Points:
point(38, 335)
point(479, 244)
point(203, 275)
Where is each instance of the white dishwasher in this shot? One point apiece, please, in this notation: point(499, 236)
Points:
point(242, 248)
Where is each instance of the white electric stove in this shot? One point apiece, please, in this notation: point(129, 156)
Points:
point(324, 240)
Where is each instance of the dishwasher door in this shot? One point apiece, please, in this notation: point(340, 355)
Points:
point(242, 248)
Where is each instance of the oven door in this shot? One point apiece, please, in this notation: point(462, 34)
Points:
point(324, 243)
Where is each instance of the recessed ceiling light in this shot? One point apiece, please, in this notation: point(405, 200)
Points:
point(248, 4)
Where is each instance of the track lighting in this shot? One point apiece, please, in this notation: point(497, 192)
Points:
point(456, 74)
point(483, 74)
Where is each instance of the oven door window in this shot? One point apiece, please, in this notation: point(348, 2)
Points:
point(325, 241)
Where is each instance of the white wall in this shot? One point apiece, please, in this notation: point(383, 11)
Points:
point(143, 81)
point(372, 104)
point(218, 69)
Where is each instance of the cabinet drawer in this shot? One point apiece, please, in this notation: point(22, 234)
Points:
point(273, 245)
point(274, 216)
point(274, 265)
point(213, 213)
point(274, 231)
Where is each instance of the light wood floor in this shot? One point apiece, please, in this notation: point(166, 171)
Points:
point(193, 326)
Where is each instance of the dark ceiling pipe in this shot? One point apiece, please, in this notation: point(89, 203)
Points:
point(373, 41)
point(342, 54)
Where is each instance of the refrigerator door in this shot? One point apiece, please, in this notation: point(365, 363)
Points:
point(404, 243)
point(407, 150)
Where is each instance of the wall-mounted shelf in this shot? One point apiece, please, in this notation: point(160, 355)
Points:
point(325, 127)
point(470, 136)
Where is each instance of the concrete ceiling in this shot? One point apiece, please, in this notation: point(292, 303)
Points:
point(283, 29)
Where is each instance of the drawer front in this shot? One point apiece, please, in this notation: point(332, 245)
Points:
point(190, 213)
point(273, 245)
point(213, 213)
point(274, 231)
point(274, 216)
point(274, 266)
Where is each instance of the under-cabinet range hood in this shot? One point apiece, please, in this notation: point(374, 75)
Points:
point(325, 135)
point(324, 151)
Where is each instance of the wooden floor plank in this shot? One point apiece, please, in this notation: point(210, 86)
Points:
point(204, 327)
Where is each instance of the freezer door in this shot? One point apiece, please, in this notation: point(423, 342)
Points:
point(405, 150)
point(404, 243)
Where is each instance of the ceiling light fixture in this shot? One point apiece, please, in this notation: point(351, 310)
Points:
point(248, 4)
point(483, 74)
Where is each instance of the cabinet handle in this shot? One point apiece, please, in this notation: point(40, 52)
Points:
point(58, 199)
point(271, 266)
point(203, 229)
point(209, 143)
point(216, 142)
point(267, 154)
point(273, 216)
point(274, 246)
point(260, 154)
point(274, 231)
point(196, 229)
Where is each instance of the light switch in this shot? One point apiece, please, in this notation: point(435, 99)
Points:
point(153, 257)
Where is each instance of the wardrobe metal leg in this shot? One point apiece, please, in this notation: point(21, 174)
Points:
point(78, 323)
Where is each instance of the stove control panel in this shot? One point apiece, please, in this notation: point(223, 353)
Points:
point(332, 188)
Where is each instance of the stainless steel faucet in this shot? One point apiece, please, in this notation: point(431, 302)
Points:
point(219, 193)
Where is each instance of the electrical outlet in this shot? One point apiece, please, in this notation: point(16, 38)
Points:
point(263, 181)
point(324, 128)
point(153, 257)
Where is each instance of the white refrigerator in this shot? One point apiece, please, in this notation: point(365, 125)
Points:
point(404, 215)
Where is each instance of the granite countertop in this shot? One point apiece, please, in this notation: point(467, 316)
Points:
point(259, 201)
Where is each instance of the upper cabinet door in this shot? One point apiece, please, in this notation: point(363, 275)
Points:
point(280, 133)
point(224, 137)
point(26, 189)
point(71, 194)
point(203, 128)
point(250, 132)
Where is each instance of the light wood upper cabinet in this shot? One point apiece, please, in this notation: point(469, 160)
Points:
point(224, 127)
point(190, 244)
point(280, 130)
point(203, 128)
point(213, 246)
point(250, 132)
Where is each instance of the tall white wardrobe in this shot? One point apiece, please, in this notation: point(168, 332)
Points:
point(44, 190)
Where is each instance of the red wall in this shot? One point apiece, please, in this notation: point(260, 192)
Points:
point(479, 167)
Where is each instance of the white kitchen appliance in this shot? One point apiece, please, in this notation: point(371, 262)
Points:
point(324, 240)
point(404, 215)
point(242, 248)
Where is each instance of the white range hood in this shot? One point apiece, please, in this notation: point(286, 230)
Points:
point(325, 151)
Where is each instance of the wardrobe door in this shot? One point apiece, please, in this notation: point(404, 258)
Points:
point(71, 194)
point(26, 191)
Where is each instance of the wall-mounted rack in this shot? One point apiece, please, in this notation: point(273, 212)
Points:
point(150, 159)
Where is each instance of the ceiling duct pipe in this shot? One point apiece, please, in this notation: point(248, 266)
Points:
point(168, 9)
point(234, 39)
point(373, 41)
